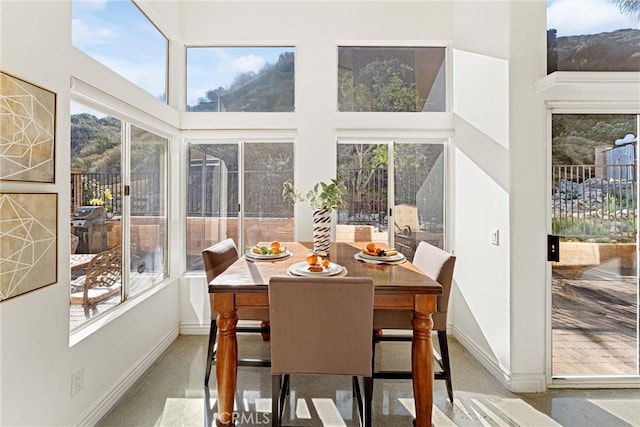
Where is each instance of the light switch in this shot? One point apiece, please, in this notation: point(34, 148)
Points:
point(495, 236)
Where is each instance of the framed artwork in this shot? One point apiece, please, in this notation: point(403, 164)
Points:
point(27, 131)
point(28, 242)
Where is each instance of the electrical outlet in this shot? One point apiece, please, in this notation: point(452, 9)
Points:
point(77, 382)
point(495, 236)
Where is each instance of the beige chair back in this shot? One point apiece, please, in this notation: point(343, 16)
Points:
point(218, 257)
point(321, 325)
point(438, 265)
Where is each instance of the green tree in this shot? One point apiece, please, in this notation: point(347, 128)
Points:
point(382, 85)
point(629, 7)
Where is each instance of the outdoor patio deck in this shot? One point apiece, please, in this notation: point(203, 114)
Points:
point(594, 324)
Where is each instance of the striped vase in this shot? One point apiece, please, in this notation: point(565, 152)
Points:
point(321, 230)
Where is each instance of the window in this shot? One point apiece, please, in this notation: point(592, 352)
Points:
point(395, 192)
point(101, 248)
point(119, 36)
point(220, 181)
point(240, 79)
point(393, 79)
point(593, 35)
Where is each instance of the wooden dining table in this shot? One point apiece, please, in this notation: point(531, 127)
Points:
point(397, 287)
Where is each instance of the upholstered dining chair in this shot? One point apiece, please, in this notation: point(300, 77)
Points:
point(321, 325)
point(217, 258)
point(437, 264)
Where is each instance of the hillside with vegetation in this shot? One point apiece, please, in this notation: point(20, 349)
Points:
point(575, 136)
point(613, 51)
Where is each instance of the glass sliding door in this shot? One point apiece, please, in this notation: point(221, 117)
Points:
point(234, 190)
point(418, 195)
point(395, 193)
point(595, 224)
point(212, 197)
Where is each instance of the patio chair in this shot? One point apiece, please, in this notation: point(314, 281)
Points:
point(217, 258)
point(102, 280)
point(437, 264)
point(406, 222)
point(74, 241)
point(321, 325)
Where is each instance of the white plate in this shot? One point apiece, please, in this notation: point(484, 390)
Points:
point(253, 255)
point(302, 269)
point(392, 258)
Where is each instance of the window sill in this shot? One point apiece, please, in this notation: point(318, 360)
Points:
point(94, 325)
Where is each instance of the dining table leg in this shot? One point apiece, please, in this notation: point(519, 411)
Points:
point(226, 358)
point(422, 358)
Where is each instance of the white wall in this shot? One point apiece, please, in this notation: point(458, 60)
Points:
point(500, 154)
point(36, 358)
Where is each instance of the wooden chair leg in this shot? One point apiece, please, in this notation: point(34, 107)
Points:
point(444, 349)
point(211, 353)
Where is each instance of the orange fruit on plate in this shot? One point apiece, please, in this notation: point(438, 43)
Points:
point(325, 263)
point(275, 247)
point(371, 247)
point(312, 259)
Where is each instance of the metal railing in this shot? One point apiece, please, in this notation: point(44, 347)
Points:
point(145, 191)
point(598, 202)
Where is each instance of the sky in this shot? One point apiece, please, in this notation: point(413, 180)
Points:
point(573, 17)
point(117, 34)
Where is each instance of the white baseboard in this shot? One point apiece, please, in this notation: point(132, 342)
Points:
point(194, 329)
point(516, 383)
point(111, 397)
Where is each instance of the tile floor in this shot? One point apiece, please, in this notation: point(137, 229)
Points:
point(171, 393)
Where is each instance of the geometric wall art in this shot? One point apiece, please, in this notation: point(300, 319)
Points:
point(27, 131)
point(28, 242)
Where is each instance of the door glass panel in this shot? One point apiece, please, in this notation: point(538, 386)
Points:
point(363, 167)
point(419, 202)
point(267, 166)
point(595, 214)
point(212, 198)
point(148, 210)
point(96, 209)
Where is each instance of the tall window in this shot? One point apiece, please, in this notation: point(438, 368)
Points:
point(118, 35)
point(105, 201)
point(593, 35)
point(240, 79)
point(236, 196)
point(394, 79)
point(395, 192)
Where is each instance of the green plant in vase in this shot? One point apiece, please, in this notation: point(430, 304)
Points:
point(323, 198)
